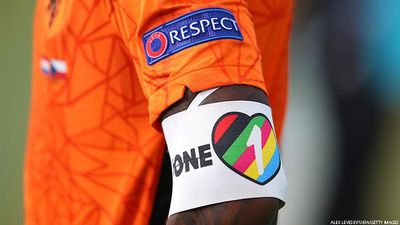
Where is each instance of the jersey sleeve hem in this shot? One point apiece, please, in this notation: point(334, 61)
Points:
point(200, 80)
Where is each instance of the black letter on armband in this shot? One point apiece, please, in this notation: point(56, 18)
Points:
point(205, 155)
point(178, 165)
point(190, 159)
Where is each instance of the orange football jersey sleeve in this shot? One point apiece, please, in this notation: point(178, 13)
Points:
point(201, 66)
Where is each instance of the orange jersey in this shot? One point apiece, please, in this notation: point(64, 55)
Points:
point(94, 148)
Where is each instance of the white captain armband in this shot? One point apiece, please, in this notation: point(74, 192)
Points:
point(222, 152)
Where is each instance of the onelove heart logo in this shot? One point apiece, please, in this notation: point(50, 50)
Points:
point(247, 145)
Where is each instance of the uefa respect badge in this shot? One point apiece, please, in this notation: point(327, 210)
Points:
point(189, 30)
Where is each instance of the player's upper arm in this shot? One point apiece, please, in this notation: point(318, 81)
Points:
point(223, 148)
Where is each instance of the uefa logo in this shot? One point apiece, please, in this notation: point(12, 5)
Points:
point(156, 44)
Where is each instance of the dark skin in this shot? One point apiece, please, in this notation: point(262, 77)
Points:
point(257, 211)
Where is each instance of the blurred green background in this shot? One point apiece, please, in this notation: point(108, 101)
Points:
point(15, 64)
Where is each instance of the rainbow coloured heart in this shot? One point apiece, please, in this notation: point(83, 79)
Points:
point(247, 145)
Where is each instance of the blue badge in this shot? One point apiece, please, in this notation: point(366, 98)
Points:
point(191, 29)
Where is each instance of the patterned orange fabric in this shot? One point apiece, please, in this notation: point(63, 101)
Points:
point(94, 151)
